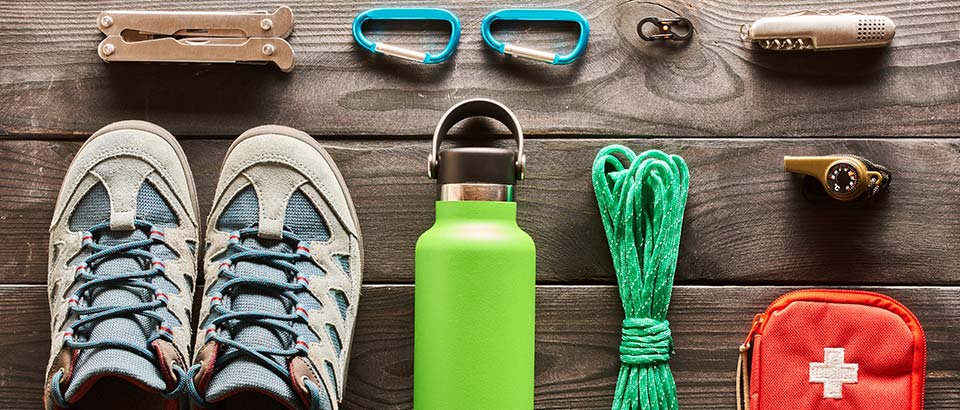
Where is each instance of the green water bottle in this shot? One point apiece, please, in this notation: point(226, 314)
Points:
point(475, 278)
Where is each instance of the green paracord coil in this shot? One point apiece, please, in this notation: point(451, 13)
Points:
point(642, 210)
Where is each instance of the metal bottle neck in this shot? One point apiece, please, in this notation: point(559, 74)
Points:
point(476, 192)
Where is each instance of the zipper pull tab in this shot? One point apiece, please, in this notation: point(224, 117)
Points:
point(743, 379)
point(743, 373)
point(757, 320)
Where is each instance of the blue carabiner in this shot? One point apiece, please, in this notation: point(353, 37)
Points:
point(536, 15)
point(408, 14)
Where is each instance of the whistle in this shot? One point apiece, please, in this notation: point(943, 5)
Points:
point(821, 30)
point(844, 178)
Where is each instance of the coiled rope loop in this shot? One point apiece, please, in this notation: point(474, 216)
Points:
point(642, 205)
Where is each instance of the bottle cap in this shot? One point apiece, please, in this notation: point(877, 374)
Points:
point(476, 165)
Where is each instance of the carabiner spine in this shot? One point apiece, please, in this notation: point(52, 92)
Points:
point(530, 53)
point(400, 52)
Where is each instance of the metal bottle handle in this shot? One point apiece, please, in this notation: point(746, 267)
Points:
point(476, 107)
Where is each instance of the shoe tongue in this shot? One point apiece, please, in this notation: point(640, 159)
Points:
point(246, 374)
point(95, 363)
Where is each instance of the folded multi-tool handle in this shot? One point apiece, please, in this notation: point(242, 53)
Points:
point(199, 23)
point(200, 50)
point(820, 31)
point(197, 37)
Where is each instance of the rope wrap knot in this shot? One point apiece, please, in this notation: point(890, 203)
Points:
point(645, 342)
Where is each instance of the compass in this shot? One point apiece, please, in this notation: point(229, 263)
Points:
point(843, 179)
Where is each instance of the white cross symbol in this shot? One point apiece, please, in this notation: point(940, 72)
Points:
point(833, 373)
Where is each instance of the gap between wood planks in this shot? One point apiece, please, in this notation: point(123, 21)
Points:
point(578, 331)
point(746, 221)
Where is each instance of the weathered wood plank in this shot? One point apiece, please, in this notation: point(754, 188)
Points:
point(577, 339)
point(746, 220)
point(53, 83)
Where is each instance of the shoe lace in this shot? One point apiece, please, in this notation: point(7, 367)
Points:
point(227, 321)
point(91, 283)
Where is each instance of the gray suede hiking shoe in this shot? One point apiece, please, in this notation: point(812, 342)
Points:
point(121, 273)
point(282, 273)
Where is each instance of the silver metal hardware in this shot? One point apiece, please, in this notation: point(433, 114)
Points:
point(665, 29)
point(820, 30)
point(529, 53)
point(203, 37)
point(476, 192)
point(400, 52)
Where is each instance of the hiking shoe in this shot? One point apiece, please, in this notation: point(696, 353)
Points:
point(121, 273)
point(282, 276)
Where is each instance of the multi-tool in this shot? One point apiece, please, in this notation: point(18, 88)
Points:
point(820, 30)
point(203, 37)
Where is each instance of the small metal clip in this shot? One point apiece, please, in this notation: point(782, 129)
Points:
point(197, 37)
point(408, 14)
point(536, 15)
point(665, 29)
point(820, 30)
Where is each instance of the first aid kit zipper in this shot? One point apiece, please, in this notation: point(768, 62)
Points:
point(760, 321)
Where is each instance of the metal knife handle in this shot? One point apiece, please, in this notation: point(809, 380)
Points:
point(199, 24)
point(820, 31)
point(197, 50)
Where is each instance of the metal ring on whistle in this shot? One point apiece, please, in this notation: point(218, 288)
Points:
point(536, 15)
point(408, 14)
point(477, 107)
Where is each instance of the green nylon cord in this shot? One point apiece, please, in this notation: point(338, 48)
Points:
point(642, 210)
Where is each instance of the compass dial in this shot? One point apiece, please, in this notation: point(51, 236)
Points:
point(842, 179)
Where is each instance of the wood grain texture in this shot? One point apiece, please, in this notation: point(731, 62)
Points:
point(53, 83)
point(577, 339)
point(746, 220)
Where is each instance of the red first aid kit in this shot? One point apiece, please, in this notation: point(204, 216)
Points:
point(833, 349)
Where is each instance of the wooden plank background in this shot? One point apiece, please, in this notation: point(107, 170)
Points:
point(749, 236)
point(746, 220)
point(577, 338)
point(54, 82)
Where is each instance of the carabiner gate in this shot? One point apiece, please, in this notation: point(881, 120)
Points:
point(408, 14)
point(536, 15)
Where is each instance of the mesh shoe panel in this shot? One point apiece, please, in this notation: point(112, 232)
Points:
point(242, 212)
point(244, 373)
point(152, 207)
point(93, 209)
point(302, 218)
point(344, 261)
